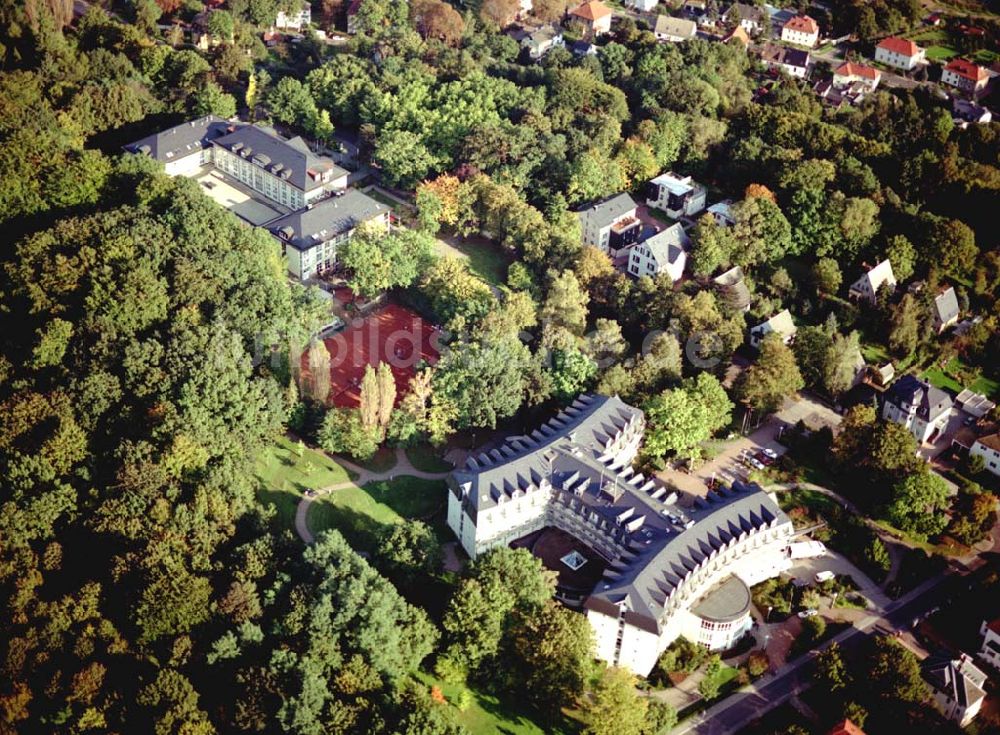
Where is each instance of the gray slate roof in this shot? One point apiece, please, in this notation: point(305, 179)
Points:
point(327, 219)
point(608, 211)
point(931, 401)
point(659, 541)
point(958, 678)
point(181, 140)
point(278, 155)
point(667, 245)
point(746, 12)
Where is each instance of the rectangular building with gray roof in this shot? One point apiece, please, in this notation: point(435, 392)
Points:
point(665, 561)
point(185, 148)
point(310, 237)
point(283, 170)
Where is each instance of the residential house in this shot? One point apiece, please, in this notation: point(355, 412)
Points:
point(801, 30)
point(574, 473)
point(663, 253)
point(867, 286)
point(594, 17)
point(722, 212)
point(988, 447)
point(966, 112)
point(695, 10)
point(610, 225)
point(283, 170)
point(678, 196)
point(733, 288)
point(966, 76)
point(780, 324)
point(739, 35)
point(989, 651)
point(974, 404)
point(582, 48)
point(794, 62)
point(919, 406)
point(845, 727)
point(643, 6)
point(674, 30)
point(899, 53)
point(851, 94)
point(185, 148)
point(310, 237)
point(542, 41)
point(751, 18)
point(850, 73)
point(946, 311)
point(294, 20)
point(956, 686)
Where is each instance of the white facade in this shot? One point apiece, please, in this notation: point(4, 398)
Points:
point(671, 571)
point(956, 688)
point(292, 20)
point(921, 429)
point(989, 651)
point(678, 196)
point(867, 286)
point(663, 253)
point(791, 33)
point(189, 165)
point(597, 221)
point(899, 54)
point(965, 76)
point(988, 447)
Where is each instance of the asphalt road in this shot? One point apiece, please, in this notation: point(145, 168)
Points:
point(742, 708)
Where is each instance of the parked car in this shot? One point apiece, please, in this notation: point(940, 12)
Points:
point(756, 463)
point(764, 459)
point(770, 453)
point(808, 613)
point(824, 576)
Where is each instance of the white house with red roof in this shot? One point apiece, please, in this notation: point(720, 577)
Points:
point(965, 75)
point(850, 73)
point(594, 16)
point(899, 53)
point(801, 30)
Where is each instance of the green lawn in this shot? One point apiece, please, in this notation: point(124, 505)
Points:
point(284, 475)
point(956, 375)
point(360, 513)
point(382, 461)
point(427, 459)
point(724, 675)
point(487, 714)
point(940, 53)
point(485, 258)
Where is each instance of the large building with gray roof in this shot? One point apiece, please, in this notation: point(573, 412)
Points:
point(671, 570)
point(182, 149)
point(310, 237)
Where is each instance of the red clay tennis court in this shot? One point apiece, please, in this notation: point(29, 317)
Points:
point(393, 334)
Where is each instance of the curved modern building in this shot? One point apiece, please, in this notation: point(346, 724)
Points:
point(671, 571)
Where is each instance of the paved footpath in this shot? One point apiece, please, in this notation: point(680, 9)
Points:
point(402, 467)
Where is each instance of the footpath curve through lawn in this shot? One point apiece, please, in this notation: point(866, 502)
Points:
point(402, 467)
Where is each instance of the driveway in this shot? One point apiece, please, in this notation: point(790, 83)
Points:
point(726, 465)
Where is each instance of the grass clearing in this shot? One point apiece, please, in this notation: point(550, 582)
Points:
point(485, 258)
point(284, 475)
point(360, 513)
point(382, 461)
point(956, 375)
point(486, 713)
point(427, 459)
point(941, 53)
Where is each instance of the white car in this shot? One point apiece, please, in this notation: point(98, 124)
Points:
point(824, 576)
point(770, 453)
point(808, 613)
point(756, 463)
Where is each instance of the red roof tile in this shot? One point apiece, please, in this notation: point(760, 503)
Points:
point(850, 69)
point(802, 24)
point(967, 70)
point(899, 46)
point(593, 10)
point(846, 728)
